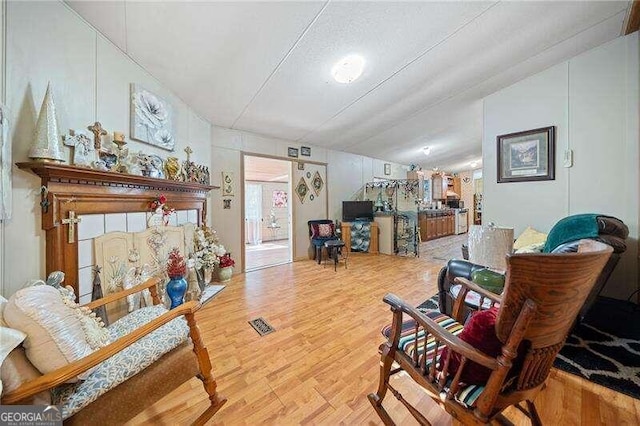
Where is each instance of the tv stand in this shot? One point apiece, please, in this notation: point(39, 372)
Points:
point(346, 236)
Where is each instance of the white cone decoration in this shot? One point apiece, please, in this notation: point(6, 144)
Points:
point(46, 146)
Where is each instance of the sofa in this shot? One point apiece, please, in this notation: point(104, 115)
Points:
point(607, 229)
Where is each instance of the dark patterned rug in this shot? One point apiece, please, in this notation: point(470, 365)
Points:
point(604, 349)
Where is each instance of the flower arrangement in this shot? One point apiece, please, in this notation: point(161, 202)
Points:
point(176, 265)
point(226, 261)
point(159, 205)
point(207, 248)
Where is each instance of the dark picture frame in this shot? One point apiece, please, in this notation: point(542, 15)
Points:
point(305, 151)
point(292, 152)
point(300, 165)
point(527, 156)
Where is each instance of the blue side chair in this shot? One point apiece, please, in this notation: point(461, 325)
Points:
point(318, 242)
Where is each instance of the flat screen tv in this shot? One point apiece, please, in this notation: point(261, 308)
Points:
point(357, 210)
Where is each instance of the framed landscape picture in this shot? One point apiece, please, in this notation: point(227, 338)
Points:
point(527, 156)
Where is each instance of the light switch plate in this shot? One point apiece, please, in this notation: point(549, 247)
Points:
point(567, 161)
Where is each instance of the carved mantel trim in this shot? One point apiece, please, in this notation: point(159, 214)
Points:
point(87, 191)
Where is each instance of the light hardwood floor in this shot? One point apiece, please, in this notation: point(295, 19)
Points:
point(322, 361)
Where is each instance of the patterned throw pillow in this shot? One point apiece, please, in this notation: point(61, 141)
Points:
point(325, 230)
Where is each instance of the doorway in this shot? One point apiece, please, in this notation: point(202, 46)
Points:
point(267, 206)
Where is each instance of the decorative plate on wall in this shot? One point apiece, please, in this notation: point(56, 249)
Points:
point(227, 184)
point(302, 189)
point(317, 183)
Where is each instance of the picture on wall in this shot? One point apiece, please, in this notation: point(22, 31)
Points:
point(151, 119)
point(227, 184)
point(302, 190)
point(317, 183)
point(279, 199)
point(526, 156)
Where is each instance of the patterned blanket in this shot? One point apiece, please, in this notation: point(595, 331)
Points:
point(360, 235)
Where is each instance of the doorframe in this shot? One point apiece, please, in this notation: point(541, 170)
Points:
point(293, 161)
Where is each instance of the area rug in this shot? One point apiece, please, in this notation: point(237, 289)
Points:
point(604, 349)
point(209, 292)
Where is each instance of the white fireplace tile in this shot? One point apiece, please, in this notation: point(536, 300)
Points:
point(173, 220)
point(192, 216)
point(115, 222)
point(183, 216)
point(85, 298)
point(136, 222)
point(85, 253)
point(90, 226)
point(85, 281)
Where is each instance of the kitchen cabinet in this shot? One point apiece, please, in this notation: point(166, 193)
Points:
point(436, 224)
point(441, 184)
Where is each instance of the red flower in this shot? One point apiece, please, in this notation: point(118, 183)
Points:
point(162, 199)
point(176, 265)
point(226, 261)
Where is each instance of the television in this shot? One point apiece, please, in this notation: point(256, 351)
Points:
point(357, 210)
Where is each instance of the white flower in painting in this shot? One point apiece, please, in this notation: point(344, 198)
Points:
point(164, 138)
point(150, 110)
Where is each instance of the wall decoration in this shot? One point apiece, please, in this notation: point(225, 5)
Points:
point(300, 165)
point(387, 169)
point(151, 119)
point(305, 151)
point(83, 153)
point(226, 204)
point(279, 199)
point(227, 184)
point(308, 175)
point(526, 156)
point(292, 152)
point(46, 144)
point(173, 169)
point(150, 165)
point(317, 183)
point(311, 197)
point(5, 165)
point(302, 189)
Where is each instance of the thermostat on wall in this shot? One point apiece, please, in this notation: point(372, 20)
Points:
point(568, 158)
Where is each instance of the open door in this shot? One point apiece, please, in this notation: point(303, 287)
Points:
point(268, 236)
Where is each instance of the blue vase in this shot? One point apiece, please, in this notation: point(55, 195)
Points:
point(176, 289)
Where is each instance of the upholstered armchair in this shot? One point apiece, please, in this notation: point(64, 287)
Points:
point(610, 230)
point(147, 354)
point(501, 356)
point(321, 231)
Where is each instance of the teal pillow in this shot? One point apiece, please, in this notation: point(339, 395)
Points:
point(489, 280)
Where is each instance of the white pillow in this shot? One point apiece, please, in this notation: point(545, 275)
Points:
point(3, 303)
point(9, 340)
point(54, 331)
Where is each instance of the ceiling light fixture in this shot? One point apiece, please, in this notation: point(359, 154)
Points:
point(348, 69)
point(426, 150)
point(473, 163)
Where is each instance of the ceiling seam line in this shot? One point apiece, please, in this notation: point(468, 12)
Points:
point(402, 68)
point(281, 62)
point(489, 78)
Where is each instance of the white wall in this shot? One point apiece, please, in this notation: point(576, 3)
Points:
point(47, 41)
point(592, 100)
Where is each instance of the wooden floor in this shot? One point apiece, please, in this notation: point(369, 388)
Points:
point(322, 361)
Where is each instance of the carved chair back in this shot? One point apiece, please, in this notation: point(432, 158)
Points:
point(558, 285)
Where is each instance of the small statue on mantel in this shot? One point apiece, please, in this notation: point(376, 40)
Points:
point(172, 169)
point(83, 153)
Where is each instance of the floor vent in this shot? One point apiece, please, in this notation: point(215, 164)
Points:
point(261, 326)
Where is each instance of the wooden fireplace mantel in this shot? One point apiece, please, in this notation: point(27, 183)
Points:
point(80, 191)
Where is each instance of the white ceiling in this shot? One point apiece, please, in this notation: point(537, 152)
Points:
point(265, 66)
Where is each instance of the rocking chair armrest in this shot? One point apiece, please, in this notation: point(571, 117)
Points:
point(476, 288)
point(62, 374)
point(453, 342)
point(149, 284)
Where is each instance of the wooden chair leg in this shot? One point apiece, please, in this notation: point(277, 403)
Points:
point(386, 362)
point(533, 413)
point(205, 375)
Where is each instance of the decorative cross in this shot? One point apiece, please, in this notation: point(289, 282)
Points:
point(98, 132)
point(189, 151)
point(71, 221)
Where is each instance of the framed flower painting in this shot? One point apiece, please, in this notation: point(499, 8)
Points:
point(151, 118)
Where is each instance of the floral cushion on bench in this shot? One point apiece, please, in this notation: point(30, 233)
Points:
point(126, 363)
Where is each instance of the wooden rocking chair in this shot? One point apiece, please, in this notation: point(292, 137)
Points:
point(543, 294)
